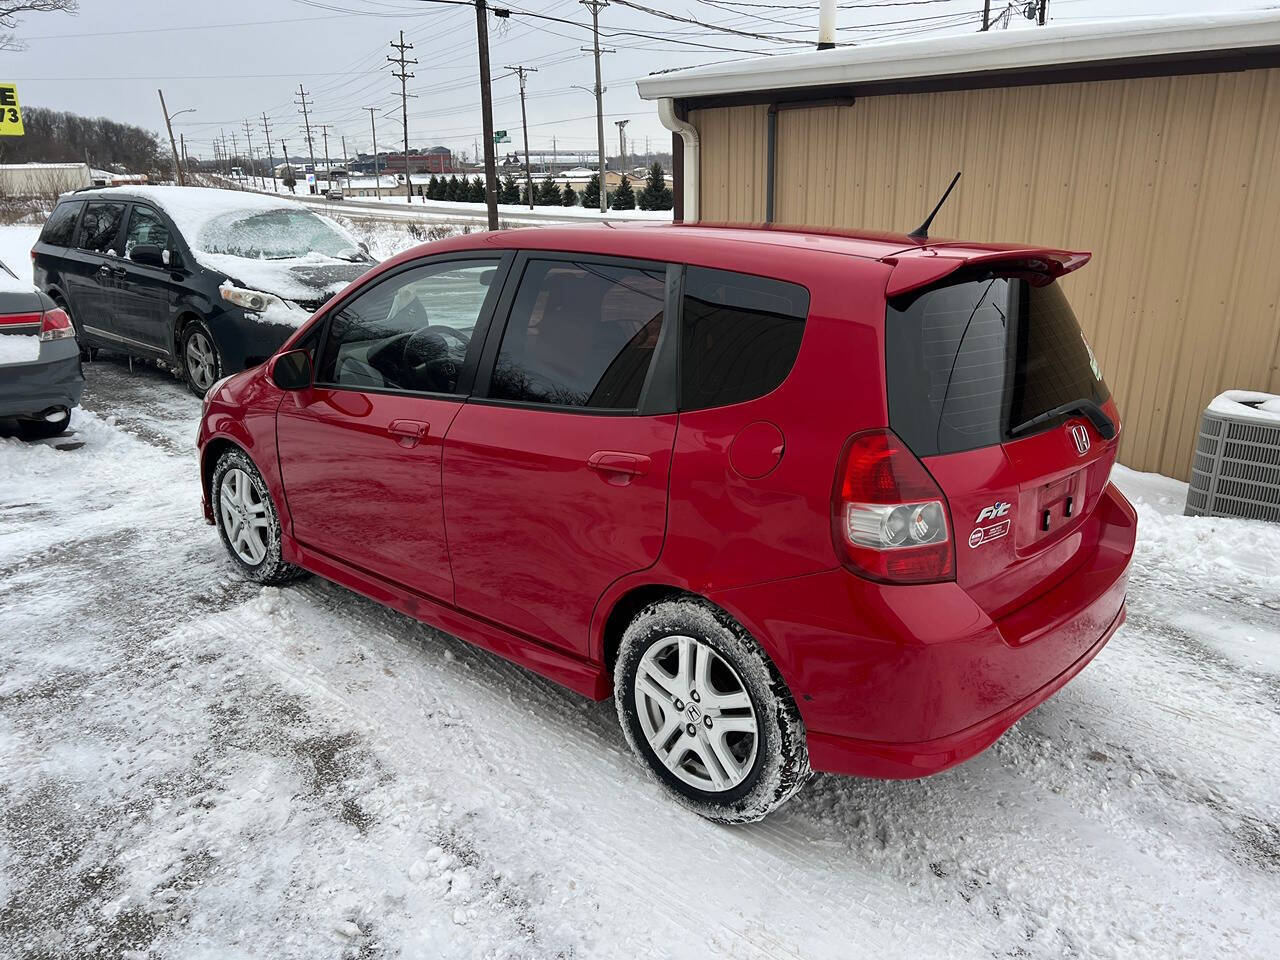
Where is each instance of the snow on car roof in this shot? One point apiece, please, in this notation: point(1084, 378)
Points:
point(193, 208)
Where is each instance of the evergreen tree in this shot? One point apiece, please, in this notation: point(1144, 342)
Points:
point(433, 188)
point(656, 195)
point(591, 192)
point(549, 193)
point(570, 196)
point(510, 192)
point(624, 198)
point(289, 180)
point(524, 195)
point(477, 190)
point(451, 189)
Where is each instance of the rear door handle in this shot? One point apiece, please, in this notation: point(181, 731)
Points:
point(408, 433)
point(617, 466)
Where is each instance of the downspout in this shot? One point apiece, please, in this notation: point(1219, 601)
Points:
point(692, 152)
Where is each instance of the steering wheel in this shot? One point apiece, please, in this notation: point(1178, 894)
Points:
point(428, 363)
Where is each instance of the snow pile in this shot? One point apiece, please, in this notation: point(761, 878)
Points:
point(10, 283)
point(1247, 405)
point(16, 241)
point(19, 348)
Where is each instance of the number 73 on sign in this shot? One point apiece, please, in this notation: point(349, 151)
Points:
point(10, 112)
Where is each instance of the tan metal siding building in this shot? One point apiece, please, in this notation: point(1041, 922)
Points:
point(1166, 168)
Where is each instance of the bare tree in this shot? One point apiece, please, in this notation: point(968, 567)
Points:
point(11, 10)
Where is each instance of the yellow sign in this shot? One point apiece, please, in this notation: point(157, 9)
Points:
point(10, 112)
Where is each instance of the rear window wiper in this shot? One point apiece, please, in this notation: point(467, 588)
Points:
point(1097, 416)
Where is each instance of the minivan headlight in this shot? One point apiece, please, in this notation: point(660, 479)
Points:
point(254, 300)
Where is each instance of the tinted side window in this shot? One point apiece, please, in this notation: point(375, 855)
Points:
point(145, 226)
point(741, 336)
point(100, 226)
point(580, 334)
point(410, 332)
point(61, 225)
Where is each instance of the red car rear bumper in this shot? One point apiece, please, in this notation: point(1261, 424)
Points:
point(905, 681)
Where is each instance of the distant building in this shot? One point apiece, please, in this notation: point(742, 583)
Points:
point(435, 160)
point(51, 179)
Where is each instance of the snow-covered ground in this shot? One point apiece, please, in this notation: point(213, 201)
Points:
point(195, 767)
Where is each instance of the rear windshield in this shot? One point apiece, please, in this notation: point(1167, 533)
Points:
point(970, 361)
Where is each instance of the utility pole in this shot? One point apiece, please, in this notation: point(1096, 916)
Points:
point(986, 15)
point(345, 164)
point(486, 115)
point(377, 177)
point(622, 144)
point(235, 150)
point(328, 167)
point(168, 122)
point(182, 151)
point(271, 161)
point(249, 146)
point(1044, 9)
point(595, 6)
point(306, 122)
point(288, 169)
point(403, 76)
point(524, 122)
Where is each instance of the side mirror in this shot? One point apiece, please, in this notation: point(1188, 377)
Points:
point(292, 370)
point(148, 254)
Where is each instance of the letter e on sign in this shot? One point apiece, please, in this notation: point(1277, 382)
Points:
point(10, 112)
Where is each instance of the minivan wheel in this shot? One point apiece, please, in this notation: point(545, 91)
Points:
point(702, 710)
point(199, 355)
point(247, 520)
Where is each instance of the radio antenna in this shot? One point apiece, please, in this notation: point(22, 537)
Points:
point(922, 232)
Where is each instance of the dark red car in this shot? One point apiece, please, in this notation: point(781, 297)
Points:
point(797, 500)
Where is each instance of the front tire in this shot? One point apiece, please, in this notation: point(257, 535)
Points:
point(201, 362)
point(247, 520)
point(701, 708)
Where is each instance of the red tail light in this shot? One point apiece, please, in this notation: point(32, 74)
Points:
point(56, 325)
point(19, 319)
point(888, 516)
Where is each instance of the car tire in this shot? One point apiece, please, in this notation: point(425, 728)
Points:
point(248, 521)
point(44, 429)
point(198, 354)
point(731, 747)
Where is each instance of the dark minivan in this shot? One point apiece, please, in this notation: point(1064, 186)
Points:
point(211, 281)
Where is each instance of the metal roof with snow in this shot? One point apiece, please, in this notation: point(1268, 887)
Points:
point(1176, 42)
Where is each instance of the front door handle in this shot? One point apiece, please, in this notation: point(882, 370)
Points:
point(408, 433)
point(618, 467)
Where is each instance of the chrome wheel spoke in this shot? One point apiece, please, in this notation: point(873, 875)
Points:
point(695, 713)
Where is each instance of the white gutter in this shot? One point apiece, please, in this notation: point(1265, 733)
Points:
point(692, 155)
point(1019, 49)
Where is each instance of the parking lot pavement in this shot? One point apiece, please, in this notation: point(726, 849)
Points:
point(192, 766)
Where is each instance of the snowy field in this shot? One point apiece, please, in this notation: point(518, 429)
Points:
point(195, 767)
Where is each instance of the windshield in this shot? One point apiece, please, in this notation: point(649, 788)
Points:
point(969, 361)
point(275, 235)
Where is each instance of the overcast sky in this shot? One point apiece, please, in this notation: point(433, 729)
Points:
point(238, 58)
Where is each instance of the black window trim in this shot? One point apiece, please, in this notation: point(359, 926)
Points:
point(467, 375)
point(657, 396)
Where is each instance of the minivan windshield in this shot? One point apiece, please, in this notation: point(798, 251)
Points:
point(274, 235)
point(970, 361)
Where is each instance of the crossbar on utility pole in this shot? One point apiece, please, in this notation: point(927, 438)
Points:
point(524, 122)
point(377, 177)
point(271, 162)
point(403, 76)
point(486, 115)
point(595, 6)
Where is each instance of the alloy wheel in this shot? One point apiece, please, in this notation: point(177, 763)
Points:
point(201, 360)
point(244, 516)
point(696, 714)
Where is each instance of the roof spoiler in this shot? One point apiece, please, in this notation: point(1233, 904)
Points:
point(924, 266)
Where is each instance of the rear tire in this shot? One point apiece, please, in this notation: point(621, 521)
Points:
point(247, 520)
point(701, 707)
point(45, 429)
point(198, 354)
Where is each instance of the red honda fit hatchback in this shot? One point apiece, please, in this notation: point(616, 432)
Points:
point(797, 500)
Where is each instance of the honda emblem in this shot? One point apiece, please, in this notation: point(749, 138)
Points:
point(1080, 436)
